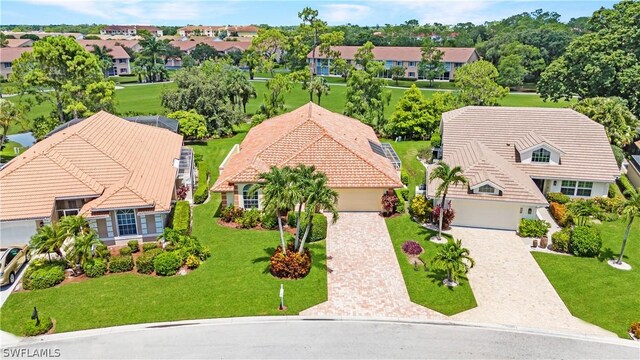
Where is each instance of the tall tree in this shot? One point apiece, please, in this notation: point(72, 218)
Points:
point(477, 84)
point(630, 209)
point(511, 72)
point(251, 60)
point(203, 52)
point(431, 65)
point(269, 44)
point(61, 71)
point(105, 59)
point(447, 177)
point(10, 114)
point(397, 72)
point(619, 122)
point(152, 57)
point(192, 125)
point(367, 98)
point(319, 87)
point(277, 88)
point(364, 55)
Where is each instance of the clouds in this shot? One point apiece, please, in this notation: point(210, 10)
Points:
point(338, 14)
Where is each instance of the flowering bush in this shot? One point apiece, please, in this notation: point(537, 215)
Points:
point(291, 266)
point(447, 217)
point(420, 208)
point(231, 213)
point(559, 213)
point(412, 248)
point(182, 191)
point(635, 329)
point(389, 202)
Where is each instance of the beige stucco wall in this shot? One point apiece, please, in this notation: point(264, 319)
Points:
point(490, 214)
point(598, 188)
point(360, 199)
point(634, 175)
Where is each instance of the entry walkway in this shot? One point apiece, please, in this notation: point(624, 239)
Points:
point(364, 277)
point(511, 289)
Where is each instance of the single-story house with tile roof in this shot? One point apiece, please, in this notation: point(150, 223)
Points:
point(19, 42)
point(122, 176)
point(512, 157)
point(406, 56)
point(633, 170)
point(344, 149)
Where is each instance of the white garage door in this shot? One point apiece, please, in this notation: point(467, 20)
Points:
point(360, 199)
point(17, 232)
point(486, 214)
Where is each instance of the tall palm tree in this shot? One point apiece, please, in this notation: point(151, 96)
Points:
point(154, 50)
point(448, 176)
point(48, 239)
point(454, 259)
point(319, 87)
point(73, 225)
point(630, 209)
point(81, 249)
point(275, 195)
point(300, 178)
point(320, 198)
point(105, 59)
point(240, 88)
point(9, 114)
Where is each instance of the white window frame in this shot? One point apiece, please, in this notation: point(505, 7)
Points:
point(576, 188)
point(486, 189)
point(133, 216)
point(248, 199)
point(539, 155)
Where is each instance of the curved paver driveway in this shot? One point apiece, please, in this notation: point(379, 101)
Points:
point(510, 288)
point(364, 277)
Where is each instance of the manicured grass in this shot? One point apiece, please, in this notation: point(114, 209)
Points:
point(7, 153)
point(234, 282)
point(593, 290)
point(425, 287)
point(407, 152)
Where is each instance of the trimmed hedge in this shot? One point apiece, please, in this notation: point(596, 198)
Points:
point(201, 194)
point(120, 264)
point(403, 193)
point(585, 241)
point(249, 219)
point(144, 262)
point(269, 220)
point(404, 177)
point(134, 246)
point(182, 217)
point(625, 185)
point(560, 240)
point(125, 251)
point(167, 263)
point(31, 329)
point(96, 268)
point(44, 277)
point(557, 197)
point(149, 246)
point(533, 228)
point(318, 229)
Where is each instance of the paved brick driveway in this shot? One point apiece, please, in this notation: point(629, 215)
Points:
point(510, 288)
point(364, 277)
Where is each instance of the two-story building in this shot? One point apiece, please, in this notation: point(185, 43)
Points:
point(7, 56)
point(187, 46)
point(130, 30)
point(403, 56)
point(214, 31)
point(120, 57)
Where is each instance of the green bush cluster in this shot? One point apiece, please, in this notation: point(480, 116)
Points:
point(102, 251)
point(560, 240)
point(202, 190)
point(167, 263)
point(96, 268)
point(533, 228)
point(249, 219)
point(318, 229)
point(625, 184)
point(403, 194)
point(557, 197)
point(420, 208)
point(31, 329)
point(192, 262)
point(182, 217)
point(119, 264)
point(585, 241)
point(125, 251)
point(44, 276)
point(134, 246)
point(269, 220)
point(404, 177)
point(400, 206)
point(149, 246)
point(231, 213)
point(144, 262)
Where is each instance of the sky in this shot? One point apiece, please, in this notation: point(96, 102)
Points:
point(240, 12)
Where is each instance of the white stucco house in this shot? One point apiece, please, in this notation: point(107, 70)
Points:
point(512, 157)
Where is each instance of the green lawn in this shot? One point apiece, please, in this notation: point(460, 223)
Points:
point(425, 287)
point(594, 291)
point(7, 153)
point(233, 282)
point(407, 152)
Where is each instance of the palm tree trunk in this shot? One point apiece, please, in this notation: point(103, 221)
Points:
point(624, 242)
point(449, 276)
point(284, 246)
point(299, 213)
point(306, 234)
point(319, 99)
point(444, 195)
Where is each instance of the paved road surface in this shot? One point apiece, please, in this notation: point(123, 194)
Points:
point(288, 337)
point(6, 290)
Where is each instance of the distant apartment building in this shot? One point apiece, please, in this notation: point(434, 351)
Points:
point(121, 59)
point(131, 44)
point(130, 30)
point(214, 31)
point(407, 57)
point(7, 56)
point(187, 46)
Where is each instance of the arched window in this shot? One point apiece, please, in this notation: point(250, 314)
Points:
point(250, 201)
point(541, 155)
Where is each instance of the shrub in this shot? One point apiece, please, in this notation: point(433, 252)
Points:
point(149, 246)
point(404, 177)
point(420, 208)
point(557, 197)
point(436, 139)
point(292, 266)
point(560, 240)
point(559, 213)
point(182, 191)
point(533, 228)
point(257, 119)
point(404, 192)
point(95, 268)
point(134, 246)
point(269, 220)
point(125, 251)
point(318, 228)
point(412, 248)
point(447, 217)
point(614, 191)
point(201, 194)
point(102, 251)
point(45, 277)
point(608, 205)
point(120, 264)
point(625, 184)
point(181, 217)
point(292, 217)
point(389, 202)
point(618, 154)
point(167, 263)
point(192, 262)
point(585, 241)
point(231, 213)
point(144, 262)
point(635, 329)
point(401, 205)
point(425, 154)
point(31, 329)
point(249, 219)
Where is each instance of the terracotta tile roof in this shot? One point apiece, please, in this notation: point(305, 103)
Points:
point(477, 137)
point(117, 52)
point(337, 145)
point(127, 27)
point(8, 54)
point(117, 162)
point(19, 42)
point(249, 28)
point(222, 46)
point(402, 53)
point(132, 44)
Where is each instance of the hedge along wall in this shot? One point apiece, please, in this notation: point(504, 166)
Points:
point(182, 217)
point(201, 192)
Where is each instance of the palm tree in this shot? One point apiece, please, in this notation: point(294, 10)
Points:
point(448, 176)
point(73, 225)
point(82, 247)
point(454, 259)
point(582, 210)
point(320, 198)
point(319, 87)
point(300, 178)
point(154, 49)
point(106, 60)
point(630, 209)
point(48, 239)
point(9, 114)
point(275, 195)
point(240, 88)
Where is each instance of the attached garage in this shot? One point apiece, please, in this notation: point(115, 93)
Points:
point(360, 199)
point(17, 232)
point(490, 214)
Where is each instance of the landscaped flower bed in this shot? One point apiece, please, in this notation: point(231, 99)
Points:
point(293, 265)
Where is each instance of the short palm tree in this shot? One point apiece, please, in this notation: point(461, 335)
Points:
point(275, 195)
point(105, 59)
point(82, 247)
point(629, 209)
point(454, 259)
point(320, 198)
point(48, 239)
point(319, 87)
point(73, 225)
point(448, 176)
point(581, 210)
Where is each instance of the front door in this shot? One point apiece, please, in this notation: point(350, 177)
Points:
point(539, 184)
